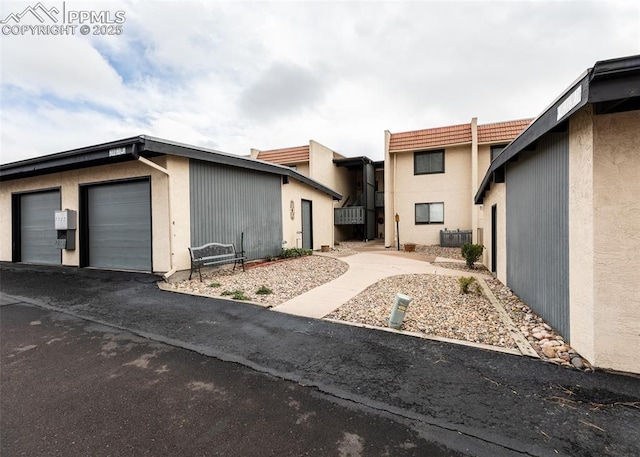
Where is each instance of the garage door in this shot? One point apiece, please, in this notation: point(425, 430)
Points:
point(37, 229)
point(119, 225)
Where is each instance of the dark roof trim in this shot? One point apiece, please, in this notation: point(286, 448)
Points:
point(130, 148)
point(352, 161)
point(99, 154)
point(162, 146)
point(608, 80)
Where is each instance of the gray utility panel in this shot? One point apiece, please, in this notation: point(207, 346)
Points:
point(37, 227)
point(119, 225)
point(228, 201)
point(538, 229)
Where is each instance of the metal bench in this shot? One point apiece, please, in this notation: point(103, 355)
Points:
point(214, 254)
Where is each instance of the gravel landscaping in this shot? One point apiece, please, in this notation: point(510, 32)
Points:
point(438, 309)
point(279, 281)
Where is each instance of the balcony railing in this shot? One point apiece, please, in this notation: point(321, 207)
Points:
point(349, 215)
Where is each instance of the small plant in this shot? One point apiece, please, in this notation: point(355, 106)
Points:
point(471, 253)
point(294, 252)
point(264, 290)
point(235, 294)
point(215, 284)
point(469, 285)
point(465, 283)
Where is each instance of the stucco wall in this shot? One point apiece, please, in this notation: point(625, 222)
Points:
point(323, 170)
point(178, 167)
point(453, 187)
point(322, 215)
point(581, 252)
point(70, 180)
point(616, 212)
point(496, 195)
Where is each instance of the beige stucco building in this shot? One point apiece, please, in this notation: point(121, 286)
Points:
point(432, 175)
point(562, 207)
point(139, 203)
point(359, 180)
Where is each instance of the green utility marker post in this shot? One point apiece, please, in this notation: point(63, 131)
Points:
point(398, 311)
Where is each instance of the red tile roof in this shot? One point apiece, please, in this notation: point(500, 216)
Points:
point(501, 131)
point(456, 134)
point(422, 139)
point(286, 156)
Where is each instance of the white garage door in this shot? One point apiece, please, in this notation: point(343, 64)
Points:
point(37, 229)
point(119, 225)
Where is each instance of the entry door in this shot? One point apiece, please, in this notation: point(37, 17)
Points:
point(37, 228)
point(307, 225)
point(494, 237)
point(119, 225)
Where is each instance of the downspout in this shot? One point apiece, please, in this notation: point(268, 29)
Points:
point(151, 164)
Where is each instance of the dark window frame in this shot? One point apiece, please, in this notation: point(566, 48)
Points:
point(429, 222)
point(427, 153)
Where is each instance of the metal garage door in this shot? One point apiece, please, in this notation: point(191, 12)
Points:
point(119, 225)
point(37, 232)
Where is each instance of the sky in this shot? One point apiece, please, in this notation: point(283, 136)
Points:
point(232, 76)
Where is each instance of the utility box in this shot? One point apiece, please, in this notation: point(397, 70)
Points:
point(65, 219)
point(65, 226)
point(400, 305)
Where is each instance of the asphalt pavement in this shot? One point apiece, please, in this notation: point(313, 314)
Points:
point(468, 400)
point(74, 388)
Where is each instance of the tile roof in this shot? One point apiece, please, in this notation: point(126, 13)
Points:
point(456, 134)
point(422, 139)
point(286, 156)
point(501, 131)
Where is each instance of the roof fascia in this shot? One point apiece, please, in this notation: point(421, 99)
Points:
point(210, 155)
point(100, 154)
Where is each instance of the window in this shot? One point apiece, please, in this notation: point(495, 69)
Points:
point(497, 150)
point(428, 162)
point(429, 213)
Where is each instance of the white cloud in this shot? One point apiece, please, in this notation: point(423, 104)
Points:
point(238, 75)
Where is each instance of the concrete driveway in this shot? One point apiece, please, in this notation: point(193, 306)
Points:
point(470, 400)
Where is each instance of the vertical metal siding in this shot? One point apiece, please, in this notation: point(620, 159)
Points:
point(538, 230)
point(227, 201)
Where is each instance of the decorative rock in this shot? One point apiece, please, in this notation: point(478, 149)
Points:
point(549, 351)
point(577, 362)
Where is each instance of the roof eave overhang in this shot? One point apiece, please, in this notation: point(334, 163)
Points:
point(131, 148)
point(209, 155)
point(608, 80)
point(101, 154)
point(597, 84)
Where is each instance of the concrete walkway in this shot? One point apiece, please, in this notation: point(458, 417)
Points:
point(365, 269)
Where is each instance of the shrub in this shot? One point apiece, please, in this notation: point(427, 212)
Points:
point(215, 284)
point(264, 290)
point(465, 282)
point(294, 252)
point(471, 253)
point(235, 294)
